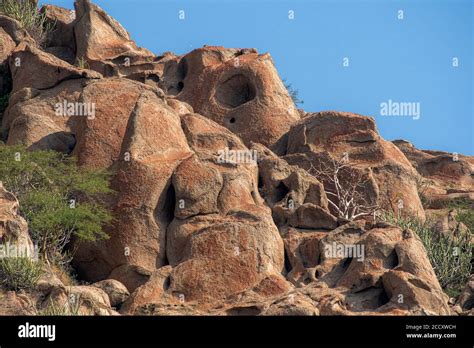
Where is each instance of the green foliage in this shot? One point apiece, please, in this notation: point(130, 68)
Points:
point(464, 213)
point(450, 256)
point(29, 16)
point(294, 93)
point(57, 198)
point(82, 63)
point(18, 273)
point(65, 309)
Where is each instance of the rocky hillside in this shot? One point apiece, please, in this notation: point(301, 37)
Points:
point(227, 200)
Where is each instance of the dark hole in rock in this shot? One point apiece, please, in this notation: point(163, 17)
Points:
point(170, 203)
point(153, 77)
point(182, 70)
point(288, 266)
point(235, 91)
point(347, 262)
point(280, 192)
point(167, 283)
point(232, 120)
point(391, 261)
point(180, 86)
point(260, 182)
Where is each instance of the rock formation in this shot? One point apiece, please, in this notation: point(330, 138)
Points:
point(218, 207)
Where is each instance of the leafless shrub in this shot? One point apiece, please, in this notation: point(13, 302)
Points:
point(345, 187)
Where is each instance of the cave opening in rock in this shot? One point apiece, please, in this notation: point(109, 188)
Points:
point(235, 91)
point(280, 192)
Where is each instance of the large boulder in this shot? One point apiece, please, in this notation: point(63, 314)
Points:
point(237, 88)
point(145, 148)
point(32, 118)
point(102, 41)
point(60, 41)
point(446, 176)
point(326, 142)
point(13, 28)
point(222, 240)
point(296, 197)
point(33, 68)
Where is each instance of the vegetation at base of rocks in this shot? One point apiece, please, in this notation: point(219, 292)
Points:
point(293, 92)
point(32, 20)
point(18, 273)
point(57, 198)
point(69, 308)
point(82, 63)
point(449, 255)
point(464, 212)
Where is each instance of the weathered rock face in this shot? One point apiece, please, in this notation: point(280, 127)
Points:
point(60, 41)
point(145, 158)
point(13, 28)
point(102, 41)
point(33, 68)
point(238, 89)
point(219, 203)
point(446, 176)
point(222, 240)
point(116, 291)
point(32, 117)
point(389, 178)
point(297, 198)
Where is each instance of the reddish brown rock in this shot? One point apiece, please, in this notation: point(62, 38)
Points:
point(150, 150)
point(296, 197)
point(32, 117)
point(12, 303)
point(238, 89)
point(446, 176)
point(222, 240)
point(60, 41)
point(389, 180)
point(102, 41)
point(63, 20)
point(33, 68)
point(116, 291)
point(13, 28)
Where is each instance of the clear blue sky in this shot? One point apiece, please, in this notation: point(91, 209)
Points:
point(407, 60)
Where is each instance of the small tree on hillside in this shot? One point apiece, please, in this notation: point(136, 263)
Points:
point(57, 198)
point(344, 187)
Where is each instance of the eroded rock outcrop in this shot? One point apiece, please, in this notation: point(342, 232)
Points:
point(388, 179)
point(239, 89)
point(219, 203)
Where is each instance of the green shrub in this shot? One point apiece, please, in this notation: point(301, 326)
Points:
point(29, 16)
point(464, 213)
point(58, 199)
point(65, 309)
point(450, 256)
point(18, 273)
